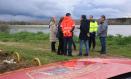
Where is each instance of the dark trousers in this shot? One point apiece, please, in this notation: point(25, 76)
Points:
point(68, 46)
point(61, 47)
point(53, 47)
point(103, 45)
point(92, 40)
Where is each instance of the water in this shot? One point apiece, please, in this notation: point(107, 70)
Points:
point(112, 29)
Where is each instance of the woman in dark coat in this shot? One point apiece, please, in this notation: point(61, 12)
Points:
point(60, 38)
point(84, 35)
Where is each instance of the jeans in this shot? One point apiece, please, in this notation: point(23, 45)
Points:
point(103, 45)
point(68, 46)
point(92, 40)
point(86, 45)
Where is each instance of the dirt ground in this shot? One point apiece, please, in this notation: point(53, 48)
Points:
point(5, 67)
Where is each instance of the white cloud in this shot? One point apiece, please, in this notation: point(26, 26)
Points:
point(110, 2)
point(46, 8)
point(115, 8)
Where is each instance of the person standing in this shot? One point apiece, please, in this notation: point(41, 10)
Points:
point(60, 38)
point(68, 26)
point(53, 31)
point(93, 31)
point(102, 33)
point(84, 34)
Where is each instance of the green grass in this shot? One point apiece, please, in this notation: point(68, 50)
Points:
point(28, 45)
point(31, 45)
point(28, 54)
point(24, 37)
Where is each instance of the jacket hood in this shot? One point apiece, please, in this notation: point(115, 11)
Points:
point(67, 18)
point(67, 21)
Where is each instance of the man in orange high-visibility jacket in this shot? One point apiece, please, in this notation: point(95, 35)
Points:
point(67, 26)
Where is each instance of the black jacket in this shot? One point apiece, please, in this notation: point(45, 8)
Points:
point(59, 34)
point(84, 29)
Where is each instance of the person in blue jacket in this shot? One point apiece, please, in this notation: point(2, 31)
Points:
point(60, 38)
point(84, 35)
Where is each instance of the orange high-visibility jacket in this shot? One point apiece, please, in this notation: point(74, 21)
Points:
point(67, 25)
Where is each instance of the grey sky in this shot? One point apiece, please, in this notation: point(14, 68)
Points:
point(38, 9)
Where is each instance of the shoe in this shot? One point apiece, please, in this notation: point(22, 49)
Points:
point(79, 54)
point(65, 54)
point(59, 54)
point(103, 55)
point(103, 52)
point(53, 51)
point(86, 55)
point(70, 55)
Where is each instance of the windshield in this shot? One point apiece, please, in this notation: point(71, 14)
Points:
point(123, 76)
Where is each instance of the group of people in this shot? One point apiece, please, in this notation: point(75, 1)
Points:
point(89, 28)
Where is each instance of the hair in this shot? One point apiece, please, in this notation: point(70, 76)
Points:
point(53, 19)
point(91, 16)
point(61, 19)
point(68, 14)
point(103, 16)
point(83, 17)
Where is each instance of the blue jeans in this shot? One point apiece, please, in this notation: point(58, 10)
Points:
point(86, 45)
point(103, 45)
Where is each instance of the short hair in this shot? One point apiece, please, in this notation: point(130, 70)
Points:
point(103, 16)
point(68, 14)
point(91, 16)
point(83, 16)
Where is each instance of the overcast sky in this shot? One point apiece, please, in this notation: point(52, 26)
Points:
point(40, 9)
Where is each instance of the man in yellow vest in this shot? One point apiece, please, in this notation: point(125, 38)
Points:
point(93, 31)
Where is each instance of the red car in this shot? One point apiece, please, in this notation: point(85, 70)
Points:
point(94, 68)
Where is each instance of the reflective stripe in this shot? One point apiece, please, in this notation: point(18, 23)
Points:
point(67, 25)
point(93, 26)
point(66, 31)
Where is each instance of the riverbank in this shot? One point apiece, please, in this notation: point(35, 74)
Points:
point(32, 45)
point(112, 21)
point(112, 29)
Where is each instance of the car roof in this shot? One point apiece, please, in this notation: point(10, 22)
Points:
point(93, 68)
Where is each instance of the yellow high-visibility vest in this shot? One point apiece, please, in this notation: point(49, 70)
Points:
point(93, 26)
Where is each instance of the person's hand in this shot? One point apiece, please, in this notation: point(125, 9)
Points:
point(88, 34)
point(98, 34)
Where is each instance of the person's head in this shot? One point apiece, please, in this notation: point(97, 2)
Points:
point(61, 19)
point(68, 14)
point(53, 19)
point(91, 17)
point(83, 17)
point(103, 18)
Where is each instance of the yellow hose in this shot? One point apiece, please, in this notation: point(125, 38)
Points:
point(36, 61)
point(1, 50)
point(16, 57)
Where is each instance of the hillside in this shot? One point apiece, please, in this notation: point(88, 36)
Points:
point(112, 21)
